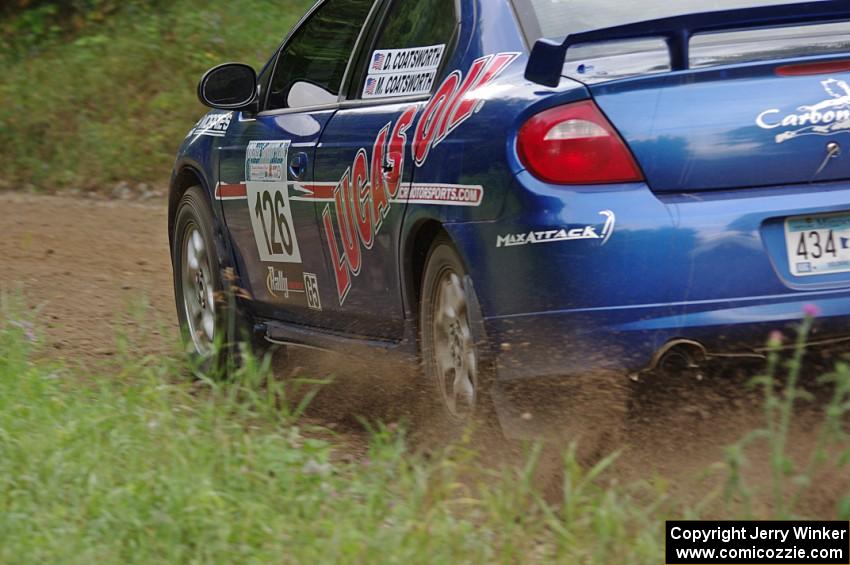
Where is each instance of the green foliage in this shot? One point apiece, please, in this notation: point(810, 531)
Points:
point(147, 467)
point(113, 100)
point(31, 25)
point(780, 384)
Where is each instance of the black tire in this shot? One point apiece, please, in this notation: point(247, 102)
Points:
point(219, 352)
point(590, 410)
point(441, 416)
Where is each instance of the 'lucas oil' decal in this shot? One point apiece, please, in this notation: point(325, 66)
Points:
point(829, 117)
point(356, 205)
point(363, 196)
point(402, 72)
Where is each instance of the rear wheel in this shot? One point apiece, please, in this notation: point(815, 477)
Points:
point(459, 375)
point(454, 372)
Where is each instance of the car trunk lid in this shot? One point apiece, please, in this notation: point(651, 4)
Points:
point(720, 105)
point(721, 128)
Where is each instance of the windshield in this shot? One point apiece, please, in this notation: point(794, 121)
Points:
point(558, 18)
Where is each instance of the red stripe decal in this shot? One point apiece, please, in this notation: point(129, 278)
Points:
point(319, 191)
point(231, 191)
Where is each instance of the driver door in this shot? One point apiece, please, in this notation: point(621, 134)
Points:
point(267, 164)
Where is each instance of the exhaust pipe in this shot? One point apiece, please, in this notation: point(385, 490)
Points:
point(680, 357)
point(687, 357)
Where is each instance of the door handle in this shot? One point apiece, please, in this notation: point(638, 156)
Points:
point(298, 165)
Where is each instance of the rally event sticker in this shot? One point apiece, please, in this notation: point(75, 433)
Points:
point(268, 201)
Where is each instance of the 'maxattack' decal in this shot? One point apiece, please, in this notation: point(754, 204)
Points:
point(564, 234)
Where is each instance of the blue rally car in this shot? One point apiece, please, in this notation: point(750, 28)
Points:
point(508, 189)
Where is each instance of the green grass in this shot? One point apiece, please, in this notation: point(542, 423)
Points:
point(147, 464)
point(112, 101)
point(150, 466)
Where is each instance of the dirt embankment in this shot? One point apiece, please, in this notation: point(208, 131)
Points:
point(95, 267)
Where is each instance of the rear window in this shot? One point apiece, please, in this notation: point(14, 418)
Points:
point(558, 18)
point(604, 61)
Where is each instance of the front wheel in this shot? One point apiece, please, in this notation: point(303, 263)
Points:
point(210, 323)
point(197, 277)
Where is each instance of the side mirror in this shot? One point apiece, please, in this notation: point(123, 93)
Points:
point(231, 86)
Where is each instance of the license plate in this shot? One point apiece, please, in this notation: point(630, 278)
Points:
point(818, 245)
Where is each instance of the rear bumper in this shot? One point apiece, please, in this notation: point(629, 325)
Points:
point(564, 343)
point(710, 267)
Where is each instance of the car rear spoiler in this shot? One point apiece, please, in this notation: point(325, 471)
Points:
point(547, 56)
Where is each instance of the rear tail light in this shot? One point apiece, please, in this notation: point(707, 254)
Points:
point(575, 144)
